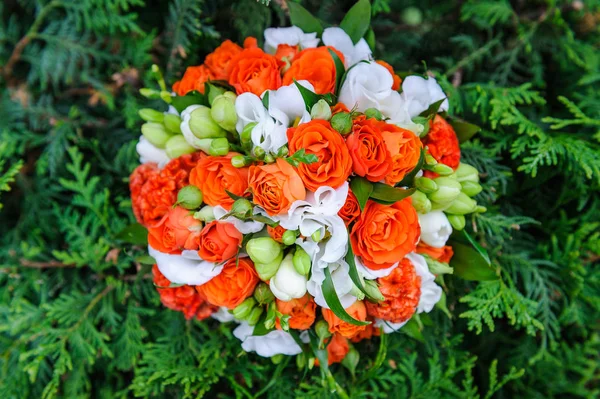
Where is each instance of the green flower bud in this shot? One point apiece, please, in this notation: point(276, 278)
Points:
point(373, 113)
point(239, 161)
point(342, 122)
point(462, 205)
point(172, 123)
point(213, 147)
point(259, 152)
point(254, 315)
point(156, 134)
point(289, 237)
point(177, 146)
point(246, 135)
point(430, 160)
point(269, 158)
point(480, 209)
point(203, 126)
point(230, 95)
point(277, 358)
point(441, 169)
point(271, 316)
point(205, 214)
point(242, 207)
point(166, 96)
point(471, 188)
point(351, 360)
point(458, 222)
point(448, 190)
point(316, 236)
point(466, 172)
point(322, 329)
point(426, 185)
point(321, 110)
point(244, 309)
point(421, 202)
point(438, 268)
point(373, 290)
point(301, 260)
point(190, 197)
point(214, 92)
point(151, 115)
point(283, 151)
point(264, 250)
point(412, 16)
point(301, 360)
point(267, 270)
point(263, 294)
point(223, 112)
point(150, 93)
point(357, 292)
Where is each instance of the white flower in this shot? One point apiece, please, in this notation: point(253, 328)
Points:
point(186, 116)
point(186, 268)
point(223, 315)
point(388, 326)
point(286, 104)
point(435, 228)
point(431, 293)
point(369, 85)
point(150, 153)
point(242, 226)
point(291, 36)
point(337, 38)
point(274, 343)
point(419, 93)
point(342, 283)
point(287, 283)
point(369, 274)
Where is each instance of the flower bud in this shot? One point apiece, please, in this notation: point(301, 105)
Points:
point(435, 228)
point(166, 96)
point(426, 185)
point(289, 237)
point(241, 207)
point(254, 315)
point(373, 113)
point(316, 236)
point(205, 214)
point(156, 134)
point(177, 146)
point(190, 197)
point(258, 152)
point(448, 190)
point(213, 147)
point(373, 290)
point(466, 172)
point(244, 309)
point(150, 93)
point(287, 283)
point(421, 202)
point(277, 358)
point(230, 95)
point(172, 123)
point(301, 260)
point(350, 361)
point(269, 158)
point(461, 205)
point(223, 112)
point(342, 122)
point(441, 169)
point(412, 16)
point(322, 330)
point(301, 360)
point(430, 160)
point(239, 161)
point(458, 222)
point(271, 316)
point(214, 92)
point(357, 292)
point(267, 270)
point(246, 135)
point(203, 126)
point(283, 151)
point(471, 188)
point(263, 294)
point(480, 209)
point(263, 249)
point(321, 110)
point(151, 115)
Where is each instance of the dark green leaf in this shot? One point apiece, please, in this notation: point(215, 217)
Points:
point(464, 130)
point(379, 359)
point(192, 98)
point(433, 109)
point(234, 196)
point(389, 194)
point(135, 234)
point(412, 330)
point(362, 189)
point(470, 261)
point(259, 328)
point(310, 98)
point(319, 353)
point(334, 302)
point(353, 272)
point(265, 220)
point(265, 100)
point(300, 17)
point(339, 70)
point(370, 38)
point(357, 21)
point(145, 260)
point(409, 178)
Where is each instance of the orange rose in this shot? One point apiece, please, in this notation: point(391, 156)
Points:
point(286, 53)
point(276, 233)
point(214, 175)
point(339, 107)
point(337, 349)
point(367, 333)
point(370, 156)
point(254, 71)
point(232, 285)
point(193, 79)
point(351, 210)
point(397, 79)
point(178, 230)
point(443, 254)
point(315, 65)
point(405, 149)
point(301, 311)
point(442, 143)
point(401, 290)
point(218, 61)
point(345, 329)
point(276, 186)
point(383, 235)
point(319, 138)
point(250, 42)
point(219, 241)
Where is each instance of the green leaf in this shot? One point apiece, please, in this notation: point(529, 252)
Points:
point(357, 21)
point(334, 302)
point(192, 98)
point(379, 359)
point(470, 261)
point(301, 156)
point(145, 260)
point(409, 178)
point(265, 100)
point(259, 328)
point(340, 70)
point(233, 196)
point(310, 98)
point(433, 109)
point(388, 194)
point(412, 330)
point(353, 272)
point(464, 130)
point(263, 219)
point(362, 189)
point(302, 18)
point(370, 39)
point(135, 234)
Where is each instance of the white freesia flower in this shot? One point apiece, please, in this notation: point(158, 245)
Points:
point(369, 85)
point(431, 293)
point(353, 53)
point(291, 36)
point(435, 228)
point(369, 274)
point(286, 104)
point(150, 153)
point(276, 342)
point(419, 93)
point(187, 268)
point(342, 283)
point(223, 315)
point(242, 226)
point(288, 284)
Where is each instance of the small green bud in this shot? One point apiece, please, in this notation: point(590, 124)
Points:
point(223, 112)
point(166, 96)
point(264, 250)
point(267, 270)
point(412, 16)
point(441, 169)
point(177, 146)
point(301, 261)
point(448, 190)
point(316, 236)
point(421, 202)
point(239, 161)
point(301, 360)
point(373, 113)
point(263, 294)
point(246, 135)
point(219, 147)
point(321, 110)
point(244, 309)
point(430, 160)
point(342, 122)
point(471, 188)
point(373, 290)
point(458, 222)
point(289, 237)
point(277, 358)
point(151, 115)
point(241, 207)
point(190, 197)
point(269, 158)
point(230, 95)
point(271, 316)
point(202, 124)
point(462, 205)
point(156, 134)
point(351, 360)
point(150, 93)
point(283, 151)
point(172, 123)
point(254, 315)
point(205, 214)
point(426, 185)
point(357, 292)
point(311, 363)
point(466, 172)
point(259, 152)
point(214, 92)
point(322, 330)
point(480, 209)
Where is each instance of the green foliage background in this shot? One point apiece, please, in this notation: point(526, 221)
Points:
point(79, 316)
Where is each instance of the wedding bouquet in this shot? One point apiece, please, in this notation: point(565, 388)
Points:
point(303, 190)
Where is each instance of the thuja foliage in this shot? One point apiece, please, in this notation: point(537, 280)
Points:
point(79, 315)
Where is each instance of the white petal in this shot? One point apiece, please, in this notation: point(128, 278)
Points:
point(274, 343)
point(341, 282)
point(435, 228)
point(242, 226)
point(389, 327)
point(186, 115)
point(223, 315)
point(431, 293)
point(182, 270)
point(373, 274)
point(150, 153)
point(276, 36)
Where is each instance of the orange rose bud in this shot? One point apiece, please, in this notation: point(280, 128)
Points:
point(218, 61)
point(351, 210)
point(177, 231)
point(315, 65)
point(276, 233)
point(276, 186)
point(397, 79)
point(193, 79)
point(443, 254)
point(345, 329)
point(319, 138)
point(250, 42)
point(232, 286)
point(405, 149)
point(214, 175)
point(383, 235)
point(370, 156)
point(301, 311)
point(219, 241)
point(442, 143)
point(337, 349)
point(254, 71)
point(402, 290)
point(285, 52)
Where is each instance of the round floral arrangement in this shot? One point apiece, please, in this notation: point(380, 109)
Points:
point(303, 190)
